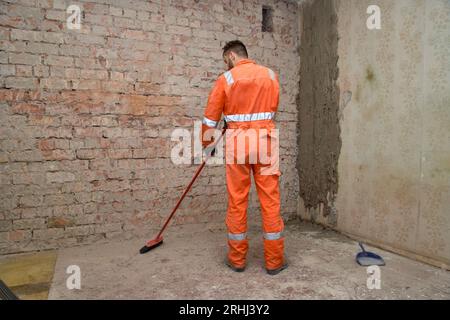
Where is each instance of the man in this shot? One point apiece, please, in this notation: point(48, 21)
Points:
point(247, 95)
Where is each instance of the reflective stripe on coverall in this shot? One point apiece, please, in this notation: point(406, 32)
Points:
point(247, 95)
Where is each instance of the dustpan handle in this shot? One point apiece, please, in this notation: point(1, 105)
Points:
point(362, 247)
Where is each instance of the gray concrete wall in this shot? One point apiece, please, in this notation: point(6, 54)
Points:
point(318, 125)
point(394, 164)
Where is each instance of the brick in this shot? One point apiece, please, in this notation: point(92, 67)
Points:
point(116, 86)
point(17, 34)
point(3, 158)
point(19, 235)
point(59, 199)
point(94, 74)
point(51, 25)
point(60, 4)
point(59, 61)
point(5, 225)
point(88, 132)
point(47, 234)
point(29, 178)
point(4, 33)
point(41, 47)
point(24, 71)
point(58, 155)
point(37, 36)
point(57, 132)
point(29, 213)
point(97, 8)
point(72, 73)
point(120, 154)
point(183, 22)
point(53, 83)
point(142, 153)
point(103, 31)
point(44, 3)
point(110, 227)
point(31, 201)
point(4, 237)
point(135, 34)
point(88, 63)
point(20, 83)
point(116, 11)
point(179, 30)
point(60, 177)
point(79, 231)
point(128, 13)
point(90, 154)
point(116, 76)
point(25, 12)
point(88, 219)
point(7, 70)
point(74, 50)
point(102, 20)
point(60, 222)
point(57, 72)
point(3, 57)
point(90, 39)
point(41, 71)
point(143, 15)
point(53, 37)
point(122, 22)
point(24, 58)
point(86, 84)
point(57, 15)
point(25, 224)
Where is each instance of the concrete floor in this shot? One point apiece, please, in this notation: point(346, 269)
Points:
point(189, 265)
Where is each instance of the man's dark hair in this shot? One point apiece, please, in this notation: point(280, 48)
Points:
point(237, 47)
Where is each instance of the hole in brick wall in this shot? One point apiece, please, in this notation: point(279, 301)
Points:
point(267, 21)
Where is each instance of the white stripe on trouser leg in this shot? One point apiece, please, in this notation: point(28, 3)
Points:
point(209, 122)
point(237, 236)
point(272, 236)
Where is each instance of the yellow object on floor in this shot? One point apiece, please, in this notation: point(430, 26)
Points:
point(29, 276)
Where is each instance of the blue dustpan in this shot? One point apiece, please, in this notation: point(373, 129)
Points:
point(366, 258)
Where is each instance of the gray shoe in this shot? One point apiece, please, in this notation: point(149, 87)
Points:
point(278, 270)
point(235, 269)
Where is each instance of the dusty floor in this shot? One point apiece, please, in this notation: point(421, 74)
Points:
point(189, 265)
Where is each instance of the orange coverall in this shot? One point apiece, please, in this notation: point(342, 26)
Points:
point(248, 96)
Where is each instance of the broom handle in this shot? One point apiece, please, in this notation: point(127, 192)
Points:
point(197, 173)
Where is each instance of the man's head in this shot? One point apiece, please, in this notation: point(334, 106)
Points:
point(233, 52)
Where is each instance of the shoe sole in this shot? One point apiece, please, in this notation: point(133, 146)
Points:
point(276, 271)
point(229, 265)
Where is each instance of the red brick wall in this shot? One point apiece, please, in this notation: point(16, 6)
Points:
point(86, 115)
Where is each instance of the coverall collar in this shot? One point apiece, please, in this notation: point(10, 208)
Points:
point(244, 61)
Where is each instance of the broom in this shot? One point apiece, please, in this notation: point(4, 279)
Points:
point(158, 240)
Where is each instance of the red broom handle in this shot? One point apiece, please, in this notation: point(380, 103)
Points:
point(197, 173)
